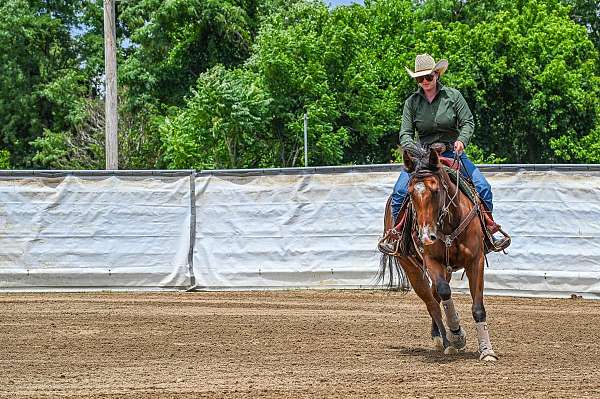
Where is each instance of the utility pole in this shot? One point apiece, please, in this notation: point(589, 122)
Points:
point(110, 71)
point(305, 138)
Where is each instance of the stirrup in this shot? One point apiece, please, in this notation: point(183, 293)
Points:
point(501, 244)
point(388, 248)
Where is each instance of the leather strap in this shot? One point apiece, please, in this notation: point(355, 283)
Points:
point(448, 239)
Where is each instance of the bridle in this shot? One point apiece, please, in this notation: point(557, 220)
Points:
point(445, 201)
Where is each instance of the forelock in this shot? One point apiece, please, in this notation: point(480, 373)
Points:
point(421, 161)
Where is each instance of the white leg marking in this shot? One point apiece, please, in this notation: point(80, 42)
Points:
point(438, 343)
point(485, 346)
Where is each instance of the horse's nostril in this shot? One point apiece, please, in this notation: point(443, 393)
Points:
point(432, 237)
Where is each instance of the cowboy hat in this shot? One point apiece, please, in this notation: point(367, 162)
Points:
point(425, 64)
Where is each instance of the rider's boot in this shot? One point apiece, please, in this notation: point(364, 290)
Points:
point(500, 240)
point(390, 245)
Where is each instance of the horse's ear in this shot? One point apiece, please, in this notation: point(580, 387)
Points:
point(434, 160)
point(408, 162)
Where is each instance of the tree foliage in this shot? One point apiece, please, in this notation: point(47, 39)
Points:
point(529, 76)
point(41, 85)
point(587, 13)
point(226, 83)
point(222, 125)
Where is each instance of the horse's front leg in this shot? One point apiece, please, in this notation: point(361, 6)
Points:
point(436, 335)
point(420, 284)
point(456, 334)
point(475, 276)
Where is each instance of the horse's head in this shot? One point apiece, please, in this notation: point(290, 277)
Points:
point(426, 192)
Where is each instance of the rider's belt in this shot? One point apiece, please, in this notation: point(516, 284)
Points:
point(449, 145)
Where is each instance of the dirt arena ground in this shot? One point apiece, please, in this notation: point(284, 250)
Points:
point(291, 344)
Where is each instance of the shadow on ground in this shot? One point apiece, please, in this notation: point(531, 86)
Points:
point(432, 355)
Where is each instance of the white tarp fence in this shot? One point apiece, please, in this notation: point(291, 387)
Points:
point(269, 229)
point(94, 232)
point(320, 230)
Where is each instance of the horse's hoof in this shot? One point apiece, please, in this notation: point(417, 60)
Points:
point(488, 356)
point(438, 343)
point(450, 350)
point(459, 341)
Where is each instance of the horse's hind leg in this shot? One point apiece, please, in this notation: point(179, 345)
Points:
point(436, 336)
point(475, 276)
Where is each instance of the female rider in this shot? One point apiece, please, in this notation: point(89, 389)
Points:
point(439, 114)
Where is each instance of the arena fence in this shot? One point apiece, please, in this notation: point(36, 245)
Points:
point(274, 229)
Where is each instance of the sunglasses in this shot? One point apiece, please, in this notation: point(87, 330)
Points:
point(428, 78)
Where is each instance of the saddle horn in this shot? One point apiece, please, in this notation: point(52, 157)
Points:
point(439, 148)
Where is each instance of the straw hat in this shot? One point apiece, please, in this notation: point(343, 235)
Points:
point(425, 64)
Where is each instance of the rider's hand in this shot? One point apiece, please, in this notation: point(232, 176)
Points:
point(459, 147)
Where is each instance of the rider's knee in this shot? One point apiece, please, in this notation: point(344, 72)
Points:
point(401, 186)
point(400, 190)
point(398, 196)
point(484, 188)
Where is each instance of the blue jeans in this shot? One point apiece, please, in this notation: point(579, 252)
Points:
point(468, 169)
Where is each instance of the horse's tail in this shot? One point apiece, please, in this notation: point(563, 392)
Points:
point(391, 275)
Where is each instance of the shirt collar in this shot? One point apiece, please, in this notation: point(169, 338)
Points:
point(440, 87)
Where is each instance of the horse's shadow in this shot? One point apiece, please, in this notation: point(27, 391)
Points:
point(432, 355)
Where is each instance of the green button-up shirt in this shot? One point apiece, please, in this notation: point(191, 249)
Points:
point(447, 119)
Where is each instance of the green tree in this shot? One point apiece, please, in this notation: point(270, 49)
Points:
point(289, 58)
point(528, 73)
point(40, 82)
point(166, 48)
point(4, 159)
point(171, 43)
point(225, 83)
point(585, 149)
point(323, 62)
point(163, 48)
point(223, 125)
point(587, 13)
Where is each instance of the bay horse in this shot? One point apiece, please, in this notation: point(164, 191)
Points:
point(446, 236)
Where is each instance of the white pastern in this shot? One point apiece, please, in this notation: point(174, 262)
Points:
point(438, 343)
